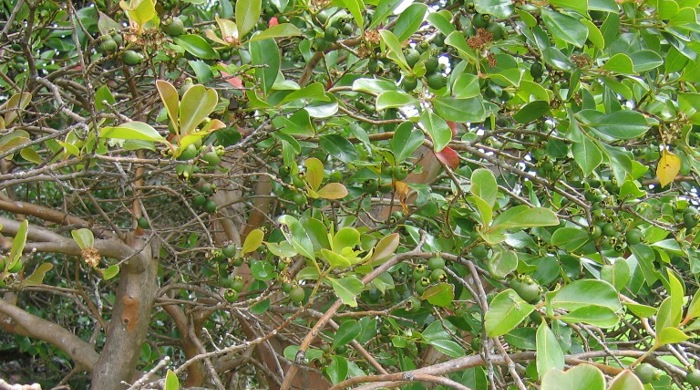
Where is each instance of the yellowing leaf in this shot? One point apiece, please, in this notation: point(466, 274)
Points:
point(402, 190)
point(668, 168)
point(253, 241)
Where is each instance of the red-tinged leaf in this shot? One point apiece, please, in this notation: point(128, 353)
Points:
point(235, 81)
point(273, 22)
point(453, 126)
point(448, 157)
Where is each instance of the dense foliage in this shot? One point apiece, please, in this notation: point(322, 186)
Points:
point(486, 194)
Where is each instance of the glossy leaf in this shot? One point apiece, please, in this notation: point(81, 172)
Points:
point(265, 55)
point(409, 21)
point(347, 289)
point(197, 46)
point(668, 167)
point(584, 293)
point(581, 377)
point(440, 133)
point(37, 277)
point(550, 356)
point(252, 241)
point(196, 105)
point(626, 380)
point(247, 15)
point(83, 237)
point(132, 131)
point(441, 294)
point(171, 381)
point(347, 332)
point(171, 100)
point(405, 141)
point(507, 311)
point(385, 247)
point(587, 155)
point(565, 27)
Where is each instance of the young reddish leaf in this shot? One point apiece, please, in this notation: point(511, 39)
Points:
point(448, 157)
point(273, 22)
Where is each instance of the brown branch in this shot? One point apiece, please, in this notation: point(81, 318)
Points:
point(17, 321)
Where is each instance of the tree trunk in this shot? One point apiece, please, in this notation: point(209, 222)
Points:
point(130, 320)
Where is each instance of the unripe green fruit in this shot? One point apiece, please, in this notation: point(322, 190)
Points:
point(231, 295)
point(409, 83)
point(413, 304)
point(481, 20)
point(237, 284)
point(199, 200)
point(331, 34)
point(399, 172)
point(526, 288)
point(174, 27)
point(212, 158)
point(229, 250)
point(431, 65)
point(646, 373)
point(693, 378)
point(480, 252)
point(412, 57)
point(438, 276)
point(209, 206)
point(189, 153)
point(436, 262)
point(143, 223)
point(130, 57)
point(536, 71)
point(634, 236)
point(436, 81)
point(297, 294)
point(299, 199)
point(609, 229)
point(108, 45)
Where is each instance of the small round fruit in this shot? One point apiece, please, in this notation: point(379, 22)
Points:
point(108, 45)
point(174, 27)
point(436, 262)
point(143, 223)
point(690, 219)
point(536, 70)
point(370, 186)
point(199, 200)
point(527, 289)
point(130, 57)
point(297, 294)
point(481, 20)
point(634, 236)
point(436, 81)
point(299, 199)
point(287, 287)
point(496, 31)
point(331, 34)
point(189, 153)
point(412, 57)
point(413, 304)
point(480, 252)
point(231, 295)
point(609, 230)
point(409, 83)
point(229, 251)
point(209, 206)
point(419, 271)
point(438, 276)
point(431, 65)
point(693, 378)
point(399, 172)
point(237, 284)
point(646, 373)
point(212, 158)
point(595, 231)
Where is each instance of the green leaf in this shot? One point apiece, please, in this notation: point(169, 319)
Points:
point(338, 369)
point(252, 241)
point(618, 125)
point(393, 46)
point(502, 263)
point(384, 9)
point(523, 216)
point(570, 239)
point(619, 63)
point(260, 307)
point(440, 133)
point(405, 141)
point(408, 22)
point(347, 289)
point(670, 336)
point(531, 111)
point(385, 248)
point(641, 311)
point(171, 99)
point(132, 131)
point(550, 357)
point(441, 294)
point(483, 185)
point(565, 27)
point(103, 96)
point(584, 293)
point(581, 377)
point(37, 277)
point(457, 40)
point(247, 15)
point(394, 99)
point(587, 155)
point(265, 56)
point(694, 307)
point(297, 235)
point(356, 7)
point(139, 12)
point(83, 237)
point(466, 86)
point(507, 311)
point(197, 46)
point(263, 270)
point(196, 105)
point(339, 147)
point(618, 274)
point(599, 316)
point(314, 172)
point(484, 209)
point(347, 332)
point(626, 380)
point(442, 22)
point(171, 381)
point(646, 60)
point(460, 110)
point(110, 272)
point(498, 8)
point(448, 347)
point(345, 237)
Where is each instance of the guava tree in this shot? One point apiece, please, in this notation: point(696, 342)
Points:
point(487, 194)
